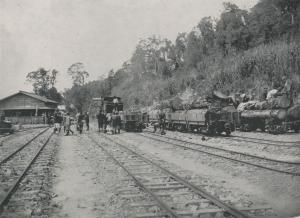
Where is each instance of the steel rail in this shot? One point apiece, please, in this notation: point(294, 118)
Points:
point(249, 139)
point(227, 150)
point(229, 158)
point(233, 211)
point(266, 141)
point(21, 148)
point(12, 189)
point(21, 130)
point(169, 211)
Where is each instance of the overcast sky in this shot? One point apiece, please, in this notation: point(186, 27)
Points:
point(102, 34)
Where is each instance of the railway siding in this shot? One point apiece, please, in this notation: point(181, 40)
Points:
point(166, 184)
point(286, 167)
point(16, 172)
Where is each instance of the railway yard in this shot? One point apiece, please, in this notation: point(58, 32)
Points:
point(147, 174)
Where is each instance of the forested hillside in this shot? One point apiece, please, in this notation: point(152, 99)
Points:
point(241, 52)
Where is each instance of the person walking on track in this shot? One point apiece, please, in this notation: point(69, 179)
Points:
point(68, 123)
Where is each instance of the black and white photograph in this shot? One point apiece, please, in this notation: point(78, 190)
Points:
point(149, 108)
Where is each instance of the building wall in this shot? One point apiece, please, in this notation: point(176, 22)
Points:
point(21, 101)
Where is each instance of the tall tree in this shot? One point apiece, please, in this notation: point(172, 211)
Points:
point(231, 30)
point(273, 19)
point(153, 56)
point(180, 46)
point(78, 73)
point(206, 28)
point(193, 52)
point(42, 80)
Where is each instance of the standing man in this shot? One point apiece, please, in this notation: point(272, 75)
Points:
point(68, 123)
point(263, 95)
point(100, 120)
point(162, 119)
point(80, 122)
point(57, 121)
point(118, 122)
point(87, 121)
point(114, 122)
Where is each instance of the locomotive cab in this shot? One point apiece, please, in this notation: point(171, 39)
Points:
point(134, 121)
point(218, 121)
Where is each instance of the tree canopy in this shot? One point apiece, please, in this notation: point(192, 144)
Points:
point(43, 82)
point(241, 51)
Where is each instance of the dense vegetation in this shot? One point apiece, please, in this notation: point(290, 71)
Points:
point(241, 52)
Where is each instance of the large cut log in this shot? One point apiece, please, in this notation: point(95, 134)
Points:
point(280, 102)
point(263, 114)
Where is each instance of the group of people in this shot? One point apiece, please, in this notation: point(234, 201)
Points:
point(65, 120)
point(109, 122)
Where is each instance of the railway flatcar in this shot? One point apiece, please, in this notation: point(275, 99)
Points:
point(134, 121)
point(273, 120)
point(210, 120)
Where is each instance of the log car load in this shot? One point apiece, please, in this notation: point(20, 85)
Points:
point(275, 120)
point(264, 114)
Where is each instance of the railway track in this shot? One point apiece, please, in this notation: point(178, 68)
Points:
point(6, 135)
point(253, 140)
point(265, 141)
point(15, 166)
point(172, 193)
point(9, 153)
point(279, 166)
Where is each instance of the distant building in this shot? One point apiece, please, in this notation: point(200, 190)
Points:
point(26, 107)
point(62, 107)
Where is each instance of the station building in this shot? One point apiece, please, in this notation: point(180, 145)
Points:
point(27, 108)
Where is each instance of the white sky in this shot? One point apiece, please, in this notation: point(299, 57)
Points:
point(102, 34)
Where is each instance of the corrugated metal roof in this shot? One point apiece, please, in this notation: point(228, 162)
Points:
point(33, 96)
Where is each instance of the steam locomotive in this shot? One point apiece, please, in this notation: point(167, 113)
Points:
point(130, 120)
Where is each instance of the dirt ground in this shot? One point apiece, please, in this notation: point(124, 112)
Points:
point(86, 182)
